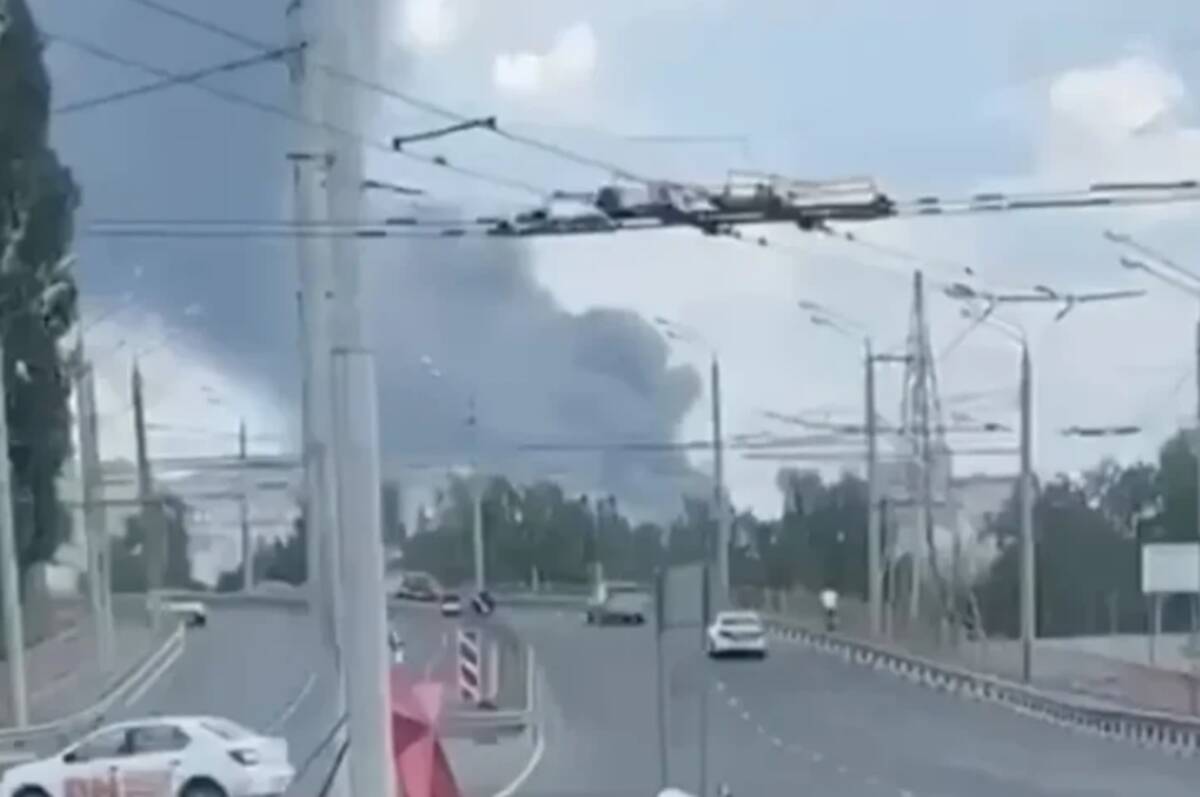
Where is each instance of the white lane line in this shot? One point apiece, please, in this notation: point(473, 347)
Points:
point(539, 749)
point(745, 715)
point(720, 686)
point(293, 704)
point(762, 730)
point(841, 769)
point(775, 740)
point(539, 745)
point(732, 701)
point(905, 793)
point(152, 678)
point(817, 757)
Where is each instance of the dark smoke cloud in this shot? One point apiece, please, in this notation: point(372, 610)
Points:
point(539, 373)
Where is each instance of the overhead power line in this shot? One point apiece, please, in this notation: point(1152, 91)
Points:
point(237, 98)
point(180, 79)
point(420, 103)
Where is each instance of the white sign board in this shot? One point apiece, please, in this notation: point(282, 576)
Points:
point(1169, 567)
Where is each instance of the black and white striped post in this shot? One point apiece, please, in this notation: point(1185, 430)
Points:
point(469, 666)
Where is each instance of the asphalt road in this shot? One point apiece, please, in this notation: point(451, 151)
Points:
point(266, 668)
point(799, 723)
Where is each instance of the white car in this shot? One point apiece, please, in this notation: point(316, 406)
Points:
point(737, 634)
point(451, 605)
point(185, 756)
point(194, 613)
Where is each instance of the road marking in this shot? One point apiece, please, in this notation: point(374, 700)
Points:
point(745, 715)
point(817, 757)
point(873, 781)
point(732, 701)
point(841, 769)
point(905, 793)
point(152, 678)
point(539, 746)
point(775, 740)
point(762, 730)
point(539, 749)
point(290, 707)
point(720, 686)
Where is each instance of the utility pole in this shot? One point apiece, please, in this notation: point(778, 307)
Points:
point(720, 508)
point(874, 546)
point(346, 43)
point(924, 459)
point(1028, 595)
point(244, 512)
point(309, 160)
point(99, 578)
point(478, 486)
point(1195, 641)
point(10, 571)
point(151, 528)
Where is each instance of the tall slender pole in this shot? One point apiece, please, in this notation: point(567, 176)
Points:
point(10, 571)
point(1195, 641)
point(366, 674)
point(244, 514)
point(478, 487)
point(874, 547)
point(99, 582)
point(151, 528)
point(660, 689)
point(720, 508)
point(348, 35)
point(702, 729)
point(1028, 594)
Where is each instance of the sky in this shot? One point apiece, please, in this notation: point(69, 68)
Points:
point(552, 338)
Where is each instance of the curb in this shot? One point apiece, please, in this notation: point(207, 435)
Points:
point(1169, 733)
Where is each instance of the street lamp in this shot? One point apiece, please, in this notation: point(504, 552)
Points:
point(824, 317)
point(675, 331)
point(1028, 597)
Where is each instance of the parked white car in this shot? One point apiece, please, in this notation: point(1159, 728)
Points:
point(737, 633)
point(193, 756)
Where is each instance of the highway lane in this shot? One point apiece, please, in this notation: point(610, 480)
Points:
point(870, 728)
point(800, 722)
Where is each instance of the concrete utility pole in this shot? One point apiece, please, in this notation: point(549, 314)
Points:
point(10, 571)
point(874, 543)
point(1028, 596)
point(478, 484)
point(309, 160)
point(99, 577)
point(720, 506)
point(152, 545)
point(347, 43)
point(244, 514)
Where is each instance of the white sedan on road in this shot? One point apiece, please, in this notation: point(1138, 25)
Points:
point(737, 633)
point(190, 756)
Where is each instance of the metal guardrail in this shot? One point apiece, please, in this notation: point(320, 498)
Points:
point(298, 601)
point(19, 744)
point(1171, 733)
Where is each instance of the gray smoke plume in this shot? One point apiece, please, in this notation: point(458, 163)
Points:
point(475, 309)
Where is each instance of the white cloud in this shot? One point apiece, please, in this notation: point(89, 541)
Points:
point(570, 61)
point(430, 24)
point(1116, 121)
